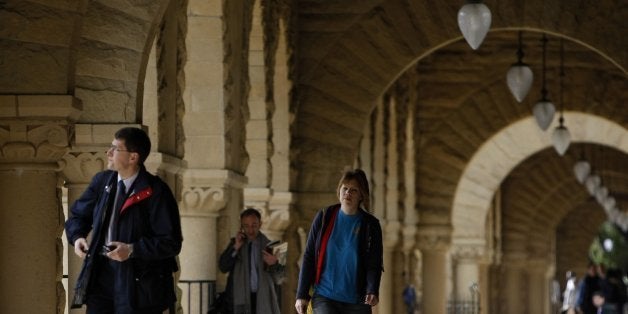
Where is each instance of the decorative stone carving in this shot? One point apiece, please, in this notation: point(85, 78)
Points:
point(467, 252)
point(258, 198)
point(81, 167)
point(204, 192)
point(470, 249)
point(409, 238)
point(202, 201)
point(35, 130)
point(434, 237)
point(33, 142)
point(276, 222)
point(391, 234)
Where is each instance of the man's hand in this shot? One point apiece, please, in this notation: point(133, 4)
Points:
point(301, 306)
point(269, 259)
point(81, 247)
point(240, 238)
point(121, 252)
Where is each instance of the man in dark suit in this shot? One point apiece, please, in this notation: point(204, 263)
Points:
point(136, 234)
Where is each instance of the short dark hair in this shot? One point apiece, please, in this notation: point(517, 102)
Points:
point(136, 141)
point(358, 176)
point(251, 212)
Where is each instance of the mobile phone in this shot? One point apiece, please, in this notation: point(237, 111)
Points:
point(241, 235)
point(109, 248)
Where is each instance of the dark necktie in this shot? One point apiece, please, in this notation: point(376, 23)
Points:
point(113, 221)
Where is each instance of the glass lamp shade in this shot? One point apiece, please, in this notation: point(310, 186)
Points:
point(561, 139)
point(609, 203)
point(614, 215)
point(582, 169)
point(623, 222)
point(544, 113)
point(591, 183)
point(600, 194)
point(519, 80)
point(474, 20)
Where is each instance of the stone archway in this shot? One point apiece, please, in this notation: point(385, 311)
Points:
point(474, 198)
point(499, 155)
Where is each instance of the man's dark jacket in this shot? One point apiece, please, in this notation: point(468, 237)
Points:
point(149, 219)
point(370, 253)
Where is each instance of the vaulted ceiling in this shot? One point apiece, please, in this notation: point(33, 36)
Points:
point(351, 52)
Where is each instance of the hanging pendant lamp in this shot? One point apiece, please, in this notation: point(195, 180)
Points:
point(592, 183)
point(609, 203)
point(561, 137)
point(474, 20)
point(544, 109)
point(520, 76)
point(600, 194)
point(582, 169)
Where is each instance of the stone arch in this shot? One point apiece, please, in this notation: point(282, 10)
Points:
point(110, 59)
point(503, 151)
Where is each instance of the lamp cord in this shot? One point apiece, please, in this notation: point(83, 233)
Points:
point(544, 89)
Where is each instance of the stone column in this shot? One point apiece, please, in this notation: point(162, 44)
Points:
point(467, 254)
point(391, 230)
point(410, 216)
point(538, 286)
point(434, 241)
point(259, 145)
point(204, 194)
point(513, 284)
point(35, 132)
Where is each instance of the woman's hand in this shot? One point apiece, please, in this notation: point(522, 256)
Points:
point(301, 306)
point(371, 300)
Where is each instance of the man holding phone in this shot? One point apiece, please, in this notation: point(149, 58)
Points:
point(133, 217)
point(251, 268)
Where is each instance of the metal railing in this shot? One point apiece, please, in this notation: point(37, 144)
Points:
point(197, 295)
point(463, 307)
point(471, 306)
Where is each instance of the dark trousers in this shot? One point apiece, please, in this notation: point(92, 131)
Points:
point(101, 298)
point(323, 305)
point(253, 302)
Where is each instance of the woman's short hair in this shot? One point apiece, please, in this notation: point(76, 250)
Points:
point(359, 177)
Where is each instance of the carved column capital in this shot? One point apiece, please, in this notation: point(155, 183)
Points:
point(202, 200)
point(258, 198)
point(81, 167)
point(277, 217)
point(408, 233)
point(391, 233)
point(468, 249)
point(434, 237)
point(204, 192)
point(35, 130)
